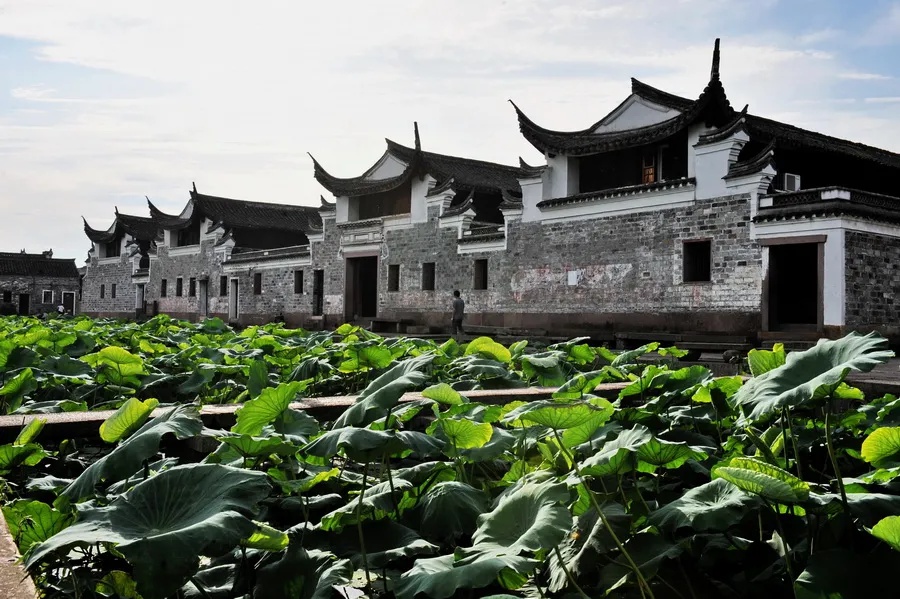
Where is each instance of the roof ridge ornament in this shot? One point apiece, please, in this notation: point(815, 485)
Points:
point(714, 71)
point(418, 145)
point(194, 184)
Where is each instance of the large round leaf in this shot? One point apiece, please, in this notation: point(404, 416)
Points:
point(881, 445)
point(466, 434)
point(528, 518)
point(441, 577)
point(616, 456)
point(32, 522)
point(810, 374)
point(552, 414)
point(130, 416)
point(888, 530)
point(272, 401)
point(450, 509)
point(763, 479)
point(163, 525)
point(488, 348)
point(444, 393)
point(717, 505)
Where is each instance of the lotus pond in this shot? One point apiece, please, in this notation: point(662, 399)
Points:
point(780, 484)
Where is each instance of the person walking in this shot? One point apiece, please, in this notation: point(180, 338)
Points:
point(459, 308)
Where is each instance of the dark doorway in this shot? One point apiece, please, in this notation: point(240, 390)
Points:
point(318, 292)
point(362, 288)
point(69, 301)
point(24, 303)
point(795, 290)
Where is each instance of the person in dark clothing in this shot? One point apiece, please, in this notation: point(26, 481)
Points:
point(459, 308)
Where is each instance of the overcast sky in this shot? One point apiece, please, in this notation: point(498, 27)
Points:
point(103, 102)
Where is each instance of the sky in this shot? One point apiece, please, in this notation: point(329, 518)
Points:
point(104, 103)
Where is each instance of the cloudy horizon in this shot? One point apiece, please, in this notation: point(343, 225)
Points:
point(103, 103)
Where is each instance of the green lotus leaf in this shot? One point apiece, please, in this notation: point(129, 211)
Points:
point(118, 584)
point(553, 414)
point(763, 479)
point(30, 431)
point(249, 446)
point(572, 437)
point(164, 524)
point(363, 444)
point(441, 577)
point(384, 392)
point(500, 442)
point(302, 574)
point(811, 374)
point(444, 393)
point(378, 502)
point(881, 445)
point(271, 403)
point(17, 388)
point(386, 541)
point(631, 356)
point(714, 506)
point(668, 454)
point(528, 518)
point(888, 530)
point(182, 421)
point(845, 574)
point(450, 510)
point(466, 434)
point(487, 347)
point(266, 538)
point(258, 378)
point(130, 416)
point(32, 522)
point(66, 366)
point(588, 541)
point(617, 455)
point(581, 384)
point(648, 551)
point(762, 360)
point(13, 456)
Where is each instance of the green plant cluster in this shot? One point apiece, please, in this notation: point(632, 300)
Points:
point(679, 484)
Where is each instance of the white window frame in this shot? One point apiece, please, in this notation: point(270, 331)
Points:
point(43, 295)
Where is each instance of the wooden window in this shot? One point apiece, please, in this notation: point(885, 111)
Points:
point(179, 287)
point(428, 276)
point(697, 261)
point(192, 287)
point(223, 285)
point(298, 281)
point(393, 277)
point(47, 296)
point(102, 291)
point(648, 167)
point(481, 274)
point(112, 291)
point(163, 288)
point(189, 236)
point(257, 283)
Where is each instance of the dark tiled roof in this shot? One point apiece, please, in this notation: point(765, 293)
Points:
point(808, 203)
point(738, 123)
point(466, 172)
point(139, 227)
point(13, 263)
point(456, 210)
point(712, 107)
point(766, 157)
point(765, 130)
point(243, 214)
point(357, 186)
point(239, 256)
point(658, 96)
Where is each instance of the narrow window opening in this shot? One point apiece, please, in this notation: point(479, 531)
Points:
point(298, 281)
point(47, 296)
point(179, 287)
point(393, 277)
point(223, 285)
point(428, 276)
point(697, 261)
point(192, 287)
point(102, 291)
point(7, 297)
point(318, 292)
point(163, 288)
point(257, 283)
point(112, 291)
point(481, 274)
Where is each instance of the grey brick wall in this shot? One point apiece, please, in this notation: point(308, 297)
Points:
point(117, 273)
point(628, 268)
point(34, 287)
point(872, 276)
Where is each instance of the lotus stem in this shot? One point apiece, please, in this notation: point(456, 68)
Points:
point(834, 463)
point(359, 530)
point(643, 586)
point(387, 465)
point(787, 411)
point(565, 568)
point(784, 544)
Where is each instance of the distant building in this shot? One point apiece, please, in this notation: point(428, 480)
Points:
point(668, 214)
point(37, 283)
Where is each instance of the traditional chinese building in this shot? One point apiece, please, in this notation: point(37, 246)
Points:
point(37, 283)
point(668, 214)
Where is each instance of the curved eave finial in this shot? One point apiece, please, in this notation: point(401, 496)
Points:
point(714, 71)
point(418, 144)
point(194, 187)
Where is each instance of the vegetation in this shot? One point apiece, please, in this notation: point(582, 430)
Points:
point(677, 485)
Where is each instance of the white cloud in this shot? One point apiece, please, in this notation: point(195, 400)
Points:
point(232, 94)
point(853, 76)
point(883, 100)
